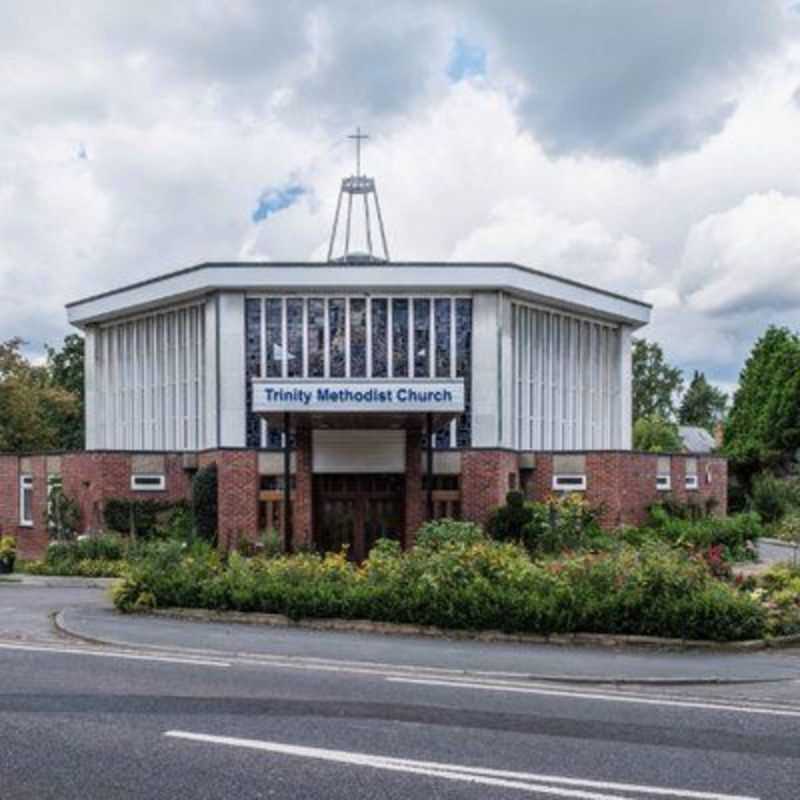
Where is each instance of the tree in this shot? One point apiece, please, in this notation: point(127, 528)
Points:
point(703, 404)
point(66, 369)
point(30, 403)
point(655, 383)
point(655, 434)
point(763, 427)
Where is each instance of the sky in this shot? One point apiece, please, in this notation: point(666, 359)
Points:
point(649, 147)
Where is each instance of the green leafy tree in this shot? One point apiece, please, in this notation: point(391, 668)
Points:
point(763, 427)
point(654, 434)
point(656, 383)
point(66, 369)
point(30, 402)
point(703, 404)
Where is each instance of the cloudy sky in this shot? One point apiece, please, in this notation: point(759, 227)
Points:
point(647, 146)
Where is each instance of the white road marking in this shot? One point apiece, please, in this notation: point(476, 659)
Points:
point(525, 781)
point(112, 654)
point(611, 698)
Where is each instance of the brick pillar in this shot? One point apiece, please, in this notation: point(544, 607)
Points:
point(302, 499)
point(415, 496)
point(485, 482)
point(9, 495)
point(237, 475)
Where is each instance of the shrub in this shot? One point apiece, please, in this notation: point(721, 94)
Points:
point(138, 516)
point(456, 581)
point(8, 553)
point(64, 518)
point(774, 497)
point(736, 534)
point(560, 523)
point(204, 503)
point(441, 532)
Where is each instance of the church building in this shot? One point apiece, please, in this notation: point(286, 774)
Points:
point(355, 398)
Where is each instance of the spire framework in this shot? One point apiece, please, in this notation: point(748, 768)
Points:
point(359, 190)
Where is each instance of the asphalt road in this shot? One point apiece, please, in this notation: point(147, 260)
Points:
point(92, 722)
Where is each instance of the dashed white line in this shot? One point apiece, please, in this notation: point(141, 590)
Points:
point(524, 781)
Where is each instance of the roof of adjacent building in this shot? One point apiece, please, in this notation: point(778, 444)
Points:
point(696, 439)
point(326, 277)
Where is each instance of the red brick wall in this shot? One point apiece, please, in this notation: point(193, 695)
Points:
point(238, 483)
point(485, 481)
point(9, 494)
point(302, 498)
point(416, 511)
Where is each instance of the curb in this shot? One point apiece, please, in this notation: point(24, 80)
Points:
point(779, 543)
point(63, 581)
point(431, 631)
point(63, 629)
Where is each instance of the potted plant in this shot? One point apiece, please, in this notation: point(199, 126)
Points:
point(8, 554)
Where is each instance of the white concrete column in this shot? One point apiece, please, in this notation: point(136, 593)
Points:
point(505, 383)
point(625, 377)
point(231, 369)
point(210, 438)
point(485, 369)
point(90, 389)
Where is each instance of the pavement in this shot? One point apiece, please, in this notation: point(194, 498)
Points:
point(282, 713)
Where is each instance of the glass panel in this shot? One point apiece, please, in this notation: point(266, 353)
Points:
point(274, 333)
point(441, 311)
point(400, 338)
point(316, 338)
point(252, 367)
point(294, 333)
point(422, 338)
point(358, 338)
point(336, 325)
point(464, 368)
point(379, 323)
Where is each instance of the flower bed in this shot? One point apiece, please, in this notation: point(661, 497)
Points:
point(461, 582)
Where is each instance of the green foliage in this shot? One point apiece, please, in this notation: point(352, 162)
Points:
point(32, 404)
point(204, 502)
point(655, 434)
point(763, 426)
point(702, 405)
point(457, 584)
point(736, 535)
point(64, 518)
point(8, 553)
point(142, 517)
point(66, 369)
point(656, 384)
point(560, 523)
point(774, 497)
point(439, 533)
point(87, 556)
point(779, 589)
point(271, 544)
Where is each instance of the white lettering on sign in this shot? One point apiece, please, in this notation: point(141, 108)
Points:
point(270, 396)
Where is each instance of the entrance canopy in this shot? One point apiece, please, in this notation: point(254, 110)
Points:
point(364, 403)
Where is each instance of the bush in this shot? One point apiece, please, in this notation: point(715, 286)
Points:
point(438, 533)
point(140, 516)
point(457, 581)
point(204, 503)
point(560, 523)
point(773, 498)
point(64, 518)
point(736, 534)
point(8, 554)
point(87, 556)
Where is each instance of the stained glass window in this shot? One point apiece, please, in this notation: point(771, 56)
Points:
point(441, 313)
point(336, 326)
point(294, 333)
point(400, 338)
point(273, 326)
point(422, 338)
point(316, 338)
point(358, 338)
point(380, 342)
point(253, 367)
point(464, 368)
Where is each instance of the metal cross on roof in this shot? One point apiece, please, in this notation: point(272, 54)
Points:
point(358, 136)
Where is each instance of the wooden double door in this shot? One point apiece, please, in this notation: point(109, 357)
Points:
point(357, 510)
